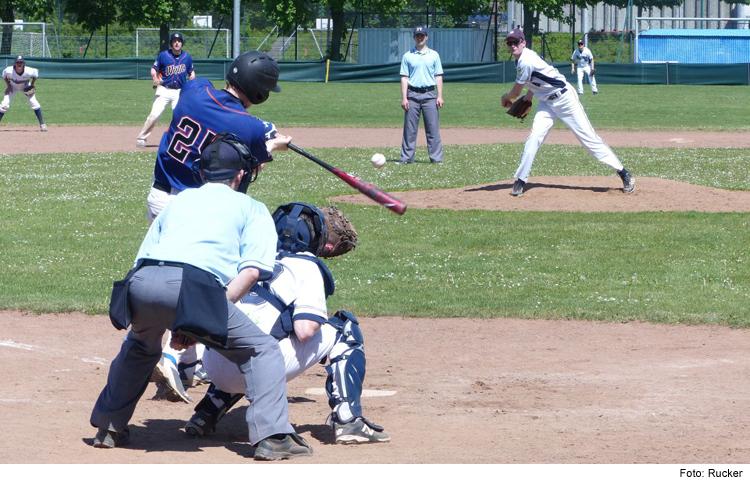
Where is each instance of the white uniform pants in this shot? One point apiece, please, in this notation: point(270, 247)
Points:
point(298, 357)
point(592, 79)
point(157, 200)
point(163, 97)
point(568, 109)
point(5, 105)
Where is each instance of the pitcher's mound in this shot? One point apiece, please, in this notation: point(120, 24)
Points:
point(575, 194)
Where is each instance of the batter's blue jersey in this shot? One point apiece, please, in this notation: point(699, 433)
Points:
point(202, 113)
point(174, 70)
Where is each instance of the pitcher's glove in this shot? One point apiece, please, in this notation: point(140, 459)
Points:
point(520, 108)
point(593, 72)
point(340, 234)
point(29, 90)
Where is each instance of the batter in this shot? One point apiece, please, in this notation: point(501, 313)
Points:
point(557, 99)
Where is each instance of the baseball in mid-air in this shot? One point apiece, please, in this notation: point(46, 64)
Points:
point(377, 160)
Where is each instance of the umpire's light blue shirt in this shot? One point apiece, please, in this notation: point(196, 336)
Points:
point(216, 229)
point(421, 67)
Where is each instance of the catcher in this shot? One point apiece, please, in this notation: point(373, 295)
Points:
point(291, 307)
point(20, 78)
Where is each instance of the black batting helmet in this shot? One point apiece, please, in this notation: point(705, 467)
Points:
point(176, 35)
point(255, 74)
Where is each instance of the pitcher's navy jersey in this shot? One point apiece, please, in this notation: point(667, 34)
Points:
point(202, 113)
point(173, 70)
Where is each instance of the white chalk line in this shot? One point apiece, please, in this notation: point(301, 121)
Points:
point(365, 393)
point(12, 344)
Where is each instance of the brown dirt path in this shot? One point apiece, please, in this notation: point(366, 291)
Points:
point(467, 391)
point(26, 139)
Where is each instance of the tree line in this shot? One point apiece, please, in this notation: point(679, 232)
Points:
point(93, 15)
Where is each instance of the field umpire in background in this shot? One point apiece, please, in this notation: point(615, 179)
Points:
point(202, 254)
point(421, 92)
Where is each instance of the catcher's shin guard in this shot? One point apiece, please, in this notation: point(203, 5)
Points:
point(346, 371)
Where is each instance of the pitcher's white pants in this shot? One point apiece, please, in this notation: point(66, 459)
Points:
point(568, 109)
point(592, 79)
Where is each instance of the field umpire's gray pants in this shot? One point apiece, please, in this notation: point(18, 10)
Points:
point(153, 295)
point(425, 103)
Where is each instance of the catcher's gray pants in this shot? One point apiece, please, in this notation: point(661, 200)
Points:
point(153, 295)
point(421, 103)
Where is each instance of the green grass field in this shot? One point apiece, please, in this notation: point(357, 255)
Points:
point(645, 107)
point(70, 224)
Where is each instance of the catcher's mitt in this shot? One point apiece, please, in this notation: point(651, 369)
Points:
point(593, 72)
point(520, 108)
point(340, 234)
point(29, 90)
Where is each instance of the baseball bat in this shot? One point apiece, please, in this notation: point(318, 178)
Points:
point(391, 203)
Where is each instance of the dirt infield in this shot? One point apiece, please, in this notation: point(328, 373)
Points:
point(25, 139)
point(466, 390)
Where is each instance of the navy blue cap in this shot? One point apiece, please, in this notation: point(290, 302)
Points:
point(20, 58)
point(419, 30)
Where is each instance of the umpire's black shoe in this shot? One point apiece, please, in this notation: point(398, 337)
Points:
point(628, 181)
point(282, 447)
point(518, 188)
point(108, 439)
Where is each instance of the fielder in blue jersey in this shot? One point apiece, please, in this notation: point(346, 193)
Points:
point(170, 71)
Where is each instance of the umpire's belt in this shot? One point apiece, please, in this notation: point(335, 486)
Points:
point(422, 90)
point(162, 263)
point(557, 94)
point(162, 186)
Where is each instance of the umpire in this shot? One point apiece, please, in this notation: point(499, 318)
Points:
point(202, 254)
point(421, 92)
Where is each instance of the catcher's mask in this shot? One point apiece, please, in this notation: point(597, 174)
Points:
point(256, 74)
point(294, 232)
point(224, 157)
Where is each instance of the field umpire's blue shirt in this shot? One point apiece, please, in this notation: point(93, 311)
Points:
point(421, 67)
point(216, 229)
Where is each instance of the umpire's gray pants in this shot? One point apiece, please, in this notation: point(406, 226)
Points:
point(421, 103)
point(153, 295)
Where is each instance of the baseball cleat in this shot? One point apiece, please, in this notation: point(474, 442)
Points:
point(167, 379)
point(518, 188)
point(43, 127)
point(282, 447)
point(140, 143)
point(628, 181)
point(200, 424)
point(359, 431)
point(108, 439)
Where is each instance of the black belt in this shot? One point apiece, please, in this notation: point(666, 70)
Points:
point(162, 186)
point(555, 96)
point(422, 90)
point(162, 263)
